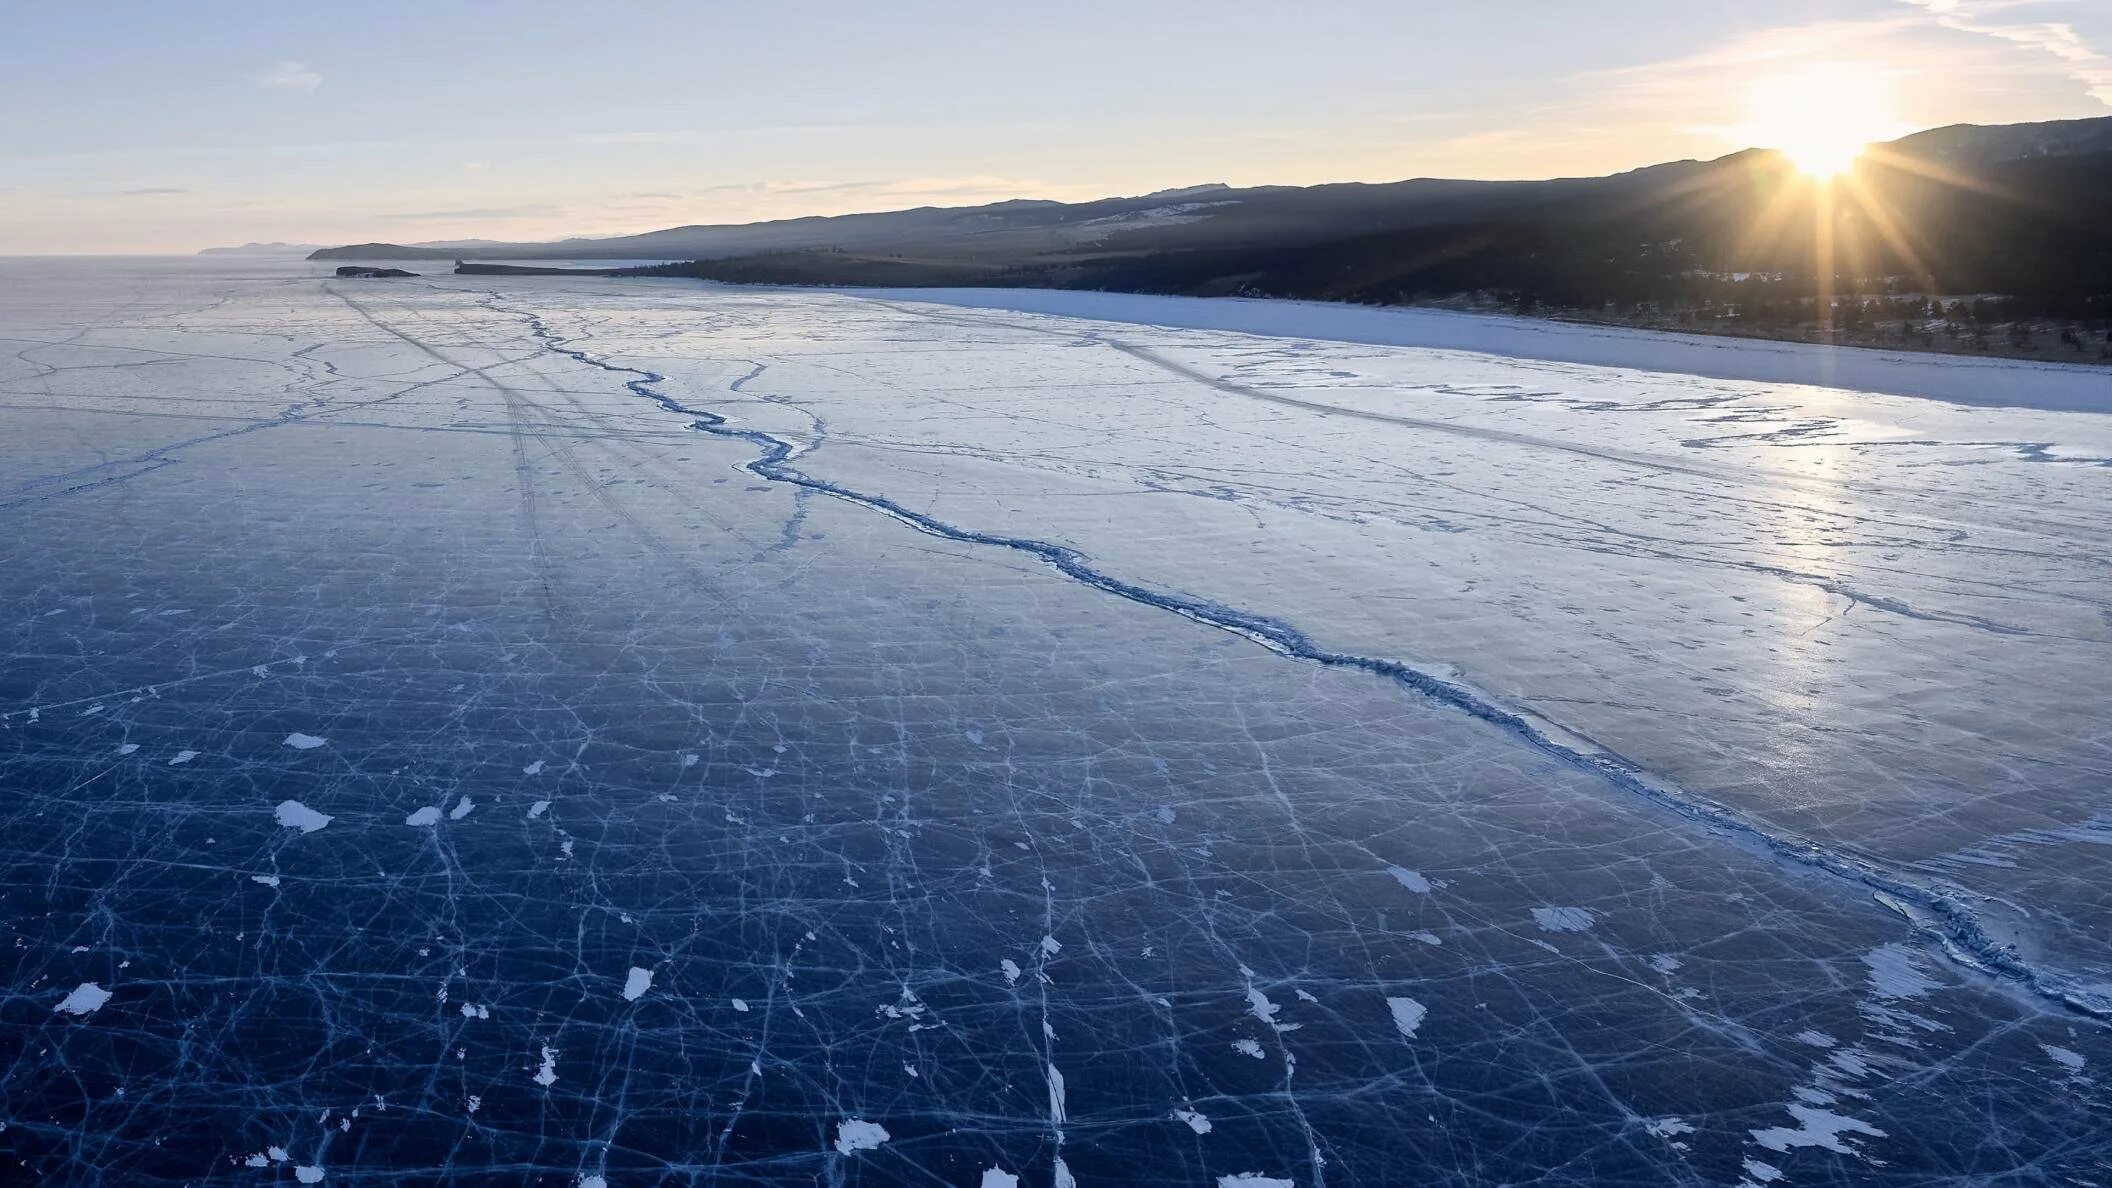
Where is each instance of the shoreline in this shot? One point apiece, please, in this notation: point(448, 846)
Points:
point(1979, 380)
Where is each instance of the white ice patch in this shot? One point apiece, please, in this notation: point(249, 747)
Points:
point(295, 815)
point(855, 1134)
point(1664, 964)
point(546, 1076)
point(1050, 946)
point(1668, 1128)
point(636, 983)
point(997, 1177)
point(305, 742)
point(2071, 1060)
point(1894, 972)
point(1564, 919)
point(593, 1182)
point(1410, 879)
point(267, 880)
point(1407, 1014)
point(461, 809)
point(1259, 1005)
point(1816, 1128)
point(1254, 1180)
point(1011, 971)
point(86, 999)
point(1195, 1120)
point(535, 768)
point(429, 815)
point(183, 757)
point(741, 1005)
point(1057, 1111)
point(308, 1173)
point(1247, 1047)
point(128, 748)
point(538, 809)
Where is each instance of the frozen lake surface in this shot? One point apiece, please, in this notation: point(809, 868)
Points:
point(635, 732)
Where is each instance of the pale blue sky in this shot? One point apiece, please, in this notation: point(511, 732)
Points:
point(153, 126)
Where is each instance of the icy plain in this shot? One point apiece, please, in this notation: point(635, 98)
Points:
point(601, 732)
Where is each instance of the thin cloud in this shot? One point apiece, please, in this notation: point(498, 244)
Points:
point(2056, 39)
point(481, 212)
point(290, 76)
point(1676, 77)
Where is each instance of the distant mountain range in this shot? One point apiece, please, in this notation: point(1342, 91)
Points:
point(265, 249)
point(2022, 209)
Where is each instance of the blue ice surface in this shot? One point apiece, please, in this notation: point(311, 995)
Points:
point(570, 730)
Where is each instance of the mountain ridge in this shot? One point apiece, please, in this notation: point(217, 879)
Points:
point(2010, 209)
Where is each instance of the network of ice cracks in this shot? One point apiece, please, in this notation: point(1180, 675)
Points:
point(636, 733)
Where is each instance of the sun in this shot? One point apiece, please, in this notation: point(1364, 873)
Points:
point(1822, 116)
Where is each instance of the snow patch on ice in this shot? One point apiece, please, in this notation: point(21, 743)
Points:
point(1816, 1128)
point(86, 999)
point(304, 742)
point(1195, 1120)
point(1564, 919)
point(856, 1134)
point(1668, 1128)
point(295, 815)
point(2071, 1060)
point(429, 815)
point(1408, 1014)
point(636, 983)
point(1895, 973)
point(1412, 880)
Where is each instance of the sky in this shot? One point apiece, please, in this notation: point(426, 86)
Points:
point(146, 126)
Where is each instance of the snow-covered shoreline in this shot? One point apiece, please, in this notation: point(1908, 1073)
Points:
point(2010, 383)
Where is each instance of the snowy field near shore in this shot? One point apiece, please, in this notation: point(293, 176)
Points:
point(1998, 382)
point(638, 731)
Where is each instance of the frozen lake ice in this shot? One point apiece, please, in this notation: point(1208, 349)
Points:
point(638, 732)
